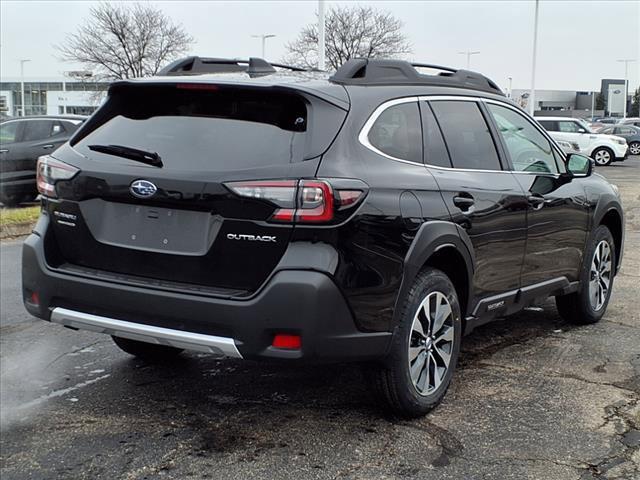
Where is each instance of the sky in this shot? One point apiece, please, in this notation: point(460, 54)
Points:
point(579, 42)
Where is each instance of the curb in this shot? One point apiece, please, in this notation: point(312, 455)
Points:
point(13, 230)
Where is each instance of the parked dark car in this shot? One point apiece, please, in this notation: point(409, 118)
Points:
point(22, 141)
point(629, 132)
point(376, 216)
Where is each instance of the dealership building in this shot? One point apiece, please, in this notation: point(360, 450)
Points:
point(576, 103)
point(51, 96)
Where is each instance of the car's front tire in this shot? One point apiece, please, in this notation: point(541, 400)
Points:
point(589, 303)
point(603, 156)
point(418, 371)
point(146, 351)
point(634, 148)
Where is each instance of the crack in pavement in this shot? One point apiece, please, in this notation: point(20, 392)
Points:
point(556, 374)
point(76, 350)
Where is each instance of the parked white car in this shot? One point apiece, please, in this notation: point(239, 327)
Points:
point(604, 149)
point(568, 147)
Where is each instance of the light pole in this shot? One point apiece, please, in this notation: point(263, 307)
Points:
point(22, 62)
point(468, 53)
point(532, 96)
point(264, 38)
point(321, 60)
point(626, 62)
point(510, 82)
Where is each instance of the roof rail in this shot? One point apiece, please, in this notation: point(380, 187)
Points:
point(364, 71)
point(200, 66)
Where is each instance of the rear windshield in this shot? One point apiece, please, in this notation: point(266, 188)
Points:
point(201, 127)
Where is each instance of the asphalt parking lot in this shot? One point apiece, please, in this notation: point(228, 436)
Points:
point(534, 398)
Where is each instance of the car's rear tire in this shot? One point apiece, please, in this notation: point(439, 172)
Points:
point(10, 201)
point(418, 371)
point(589, 303)
point(603, 156)
point(634, 148)
point(146, 351)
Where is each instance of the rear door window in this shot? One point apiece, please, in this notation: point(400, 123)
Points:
point(397, 132)
point(568, 127)
point(57, 128)
point(207, 129)
point(9, 132)
point(467, 135)
point(549, 125)
point(37, 130)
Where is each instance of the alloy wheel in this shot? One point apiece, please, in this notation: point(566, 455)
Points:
point(634, 148)
point(600, 275)
point(602, 157)
point(431, 343)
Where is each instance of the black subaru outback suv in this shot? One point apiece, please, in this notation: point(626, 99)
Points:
point(377, 215)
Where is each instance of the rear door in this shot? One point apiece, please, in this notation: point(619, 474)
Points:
point(214, 211)
point(482, 197)
point(11, 153)
point(40, 137)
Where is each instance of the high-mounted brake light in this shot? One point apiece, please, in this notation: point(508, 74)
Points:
point(300, 201)
point(196, 86)
point(49, 171)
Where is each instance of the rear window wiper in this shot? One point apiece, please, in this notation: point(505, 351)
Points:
point(150, 158)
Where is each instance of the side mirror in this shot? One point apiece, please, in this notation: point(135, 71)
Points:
point(582, 130)
point(579, 165)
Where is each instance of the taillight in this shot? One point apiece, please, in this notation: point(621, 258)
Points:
point(316, 202)
point(300, 201)
point(49, 171)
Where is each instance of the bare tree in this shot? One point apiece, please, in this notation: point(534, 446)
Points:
point(350, 32)
point(125, 41)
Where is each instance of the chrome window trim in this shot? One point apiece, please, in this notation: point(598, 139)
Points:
point(363, 137)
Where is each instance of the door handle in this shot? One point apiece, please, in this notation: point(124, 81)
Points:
point(464, 203)
point(536, 201)
point(48, 146)
point(4, 150)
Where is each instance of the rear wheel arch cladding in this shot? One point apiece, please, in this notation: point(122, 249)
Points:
point(433, 237)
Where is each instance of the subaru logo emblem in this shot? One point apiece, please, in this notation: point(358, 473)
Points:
point(142, 189)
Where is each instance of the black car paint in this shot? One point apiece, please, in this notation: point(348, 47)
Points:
point(513, 250)
point(18, 159)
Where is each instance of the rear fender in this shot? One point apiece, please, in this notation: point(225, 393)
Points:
point(432, 237)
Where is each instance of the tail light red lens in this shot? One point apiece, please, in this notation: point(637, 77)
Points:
point(299, 201)
point(316, 202)
point(49, 171)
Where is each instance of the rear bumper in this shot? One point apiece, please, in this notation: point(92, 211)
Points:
point(297, 301)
